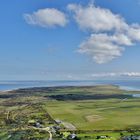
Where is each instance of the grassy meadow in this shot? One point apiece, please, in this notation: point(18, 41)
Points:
point(113, 114)
point(88, 111)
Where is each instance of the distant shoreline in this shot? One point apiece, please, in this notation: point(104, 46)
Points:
point(61, 86)
point(68, 86)
point(123, 85)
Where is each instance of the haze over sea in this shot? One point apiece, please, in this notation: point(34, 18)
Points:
point(124, 84)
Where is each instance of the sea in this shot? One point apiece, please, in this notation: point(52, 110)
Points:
point(123, 84)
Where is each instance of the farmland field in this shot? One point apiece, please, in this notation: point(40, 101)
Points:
point(112, 114)
point(32, 113)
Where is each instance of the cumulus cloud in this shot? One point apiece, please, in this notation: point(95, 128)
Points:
point(133, 32)
point(110, 33)
point(49, 17)
point(102, 47)
point(96, 18)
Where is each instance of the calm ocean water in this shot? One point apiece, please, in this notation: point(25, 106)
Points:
point(125, 84)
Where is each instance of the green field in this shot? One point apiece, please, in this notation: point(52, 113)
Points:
point(88, 111)
point(97, 115)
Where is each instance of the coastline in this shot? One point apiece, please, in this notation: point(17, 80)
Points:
point(56, 86)
point(128, 88)
point(122, 85)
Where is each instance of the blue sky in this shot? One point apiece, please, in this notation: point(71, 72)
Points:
point(53, 40)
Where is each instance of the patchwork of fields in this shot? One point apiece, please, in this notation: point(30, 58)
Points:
point(113, 114)
point(89, 111)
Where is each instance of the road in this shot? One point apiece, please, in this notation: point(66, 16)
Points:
point(47, 129)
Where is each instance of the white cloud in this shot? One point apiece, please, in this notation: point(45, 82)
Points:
point(110, 33)
point(134, 32)
point(49, 17)
point(99, 75)
point(94, 75)
point(96, 19)
point(113, 74)
point(101, 47)
point(109, 36)
point(131, 74)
